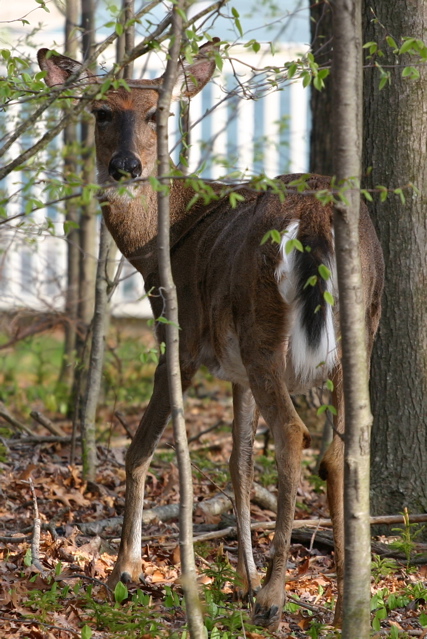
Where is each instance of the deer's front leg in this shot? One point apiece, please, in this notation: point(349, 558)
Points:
point(241, 470)
point(128, 564)
point(290, 437)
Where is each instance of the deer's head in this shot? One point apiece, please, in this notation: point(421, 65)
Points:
point(125, 133)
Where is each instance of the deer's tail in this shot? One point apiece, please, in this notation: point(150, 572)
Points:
point(307, 283)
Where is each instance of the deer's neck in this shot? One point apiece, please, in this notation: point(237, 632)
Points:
point(132, 221)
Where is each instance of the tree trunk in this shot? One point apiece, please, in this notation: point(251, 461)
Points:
point(188, 580)
point(87, 239)
point(347, 79)
point(71, 215)
point(396, 149)
point(322, 125)
point(96, 360)
point(88, 220)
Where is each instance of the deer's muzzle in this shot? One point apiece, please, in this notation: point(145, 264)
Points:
point(124, 165)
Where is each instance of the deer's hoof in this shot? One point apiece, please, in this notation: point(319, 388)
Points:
point(130, 573)
point(266, 617)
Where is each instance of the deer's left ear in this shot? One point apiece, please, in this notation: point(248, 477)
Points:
point(193, 77)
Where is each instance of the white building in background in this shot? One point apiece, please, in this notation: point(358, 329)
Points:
point(254, 133)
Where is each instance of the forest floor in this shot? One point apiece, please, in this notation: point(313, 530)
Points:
point(55, 587)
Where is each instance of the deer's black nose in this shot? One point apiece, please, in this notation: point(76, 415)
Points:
point(122, 165)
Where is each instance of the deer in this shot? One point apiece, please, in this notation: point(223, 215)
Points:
point(246, 312)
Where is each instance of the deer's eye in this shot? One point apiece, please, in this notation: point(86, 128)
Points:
point(151, 116)
point(102, 116)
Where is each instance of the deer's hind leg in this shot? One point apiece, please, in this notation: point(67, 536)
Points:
point(267, 382)
point(245, 423)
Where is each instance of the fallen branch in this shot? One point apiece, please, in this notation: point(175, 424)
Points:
point(12, 421)
point(50, 426)
point(316, 609)
point(124, 423)
point(36, 439)
point(33, 620)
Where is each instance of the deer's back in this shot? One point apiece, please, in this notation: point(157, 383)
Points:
point(238, 296)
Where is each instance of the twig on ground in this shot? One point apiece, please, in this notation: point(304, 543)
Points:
point(307, 606)
point(12, 421)
point(40, 623)
point(124, 423)
point(34, 439)
point(50, 426)
point(313, 536)
point(15, 540)
point(204, 432)
point(35, 542)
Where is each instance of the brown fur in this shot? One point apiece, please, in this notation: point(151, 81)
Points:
point(233, 320)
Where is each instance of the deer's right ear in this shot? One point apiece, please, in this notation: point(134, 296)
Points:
point(58, 67)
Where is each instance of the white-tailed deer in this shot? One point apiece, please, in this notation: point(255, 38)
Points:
point(245, 310)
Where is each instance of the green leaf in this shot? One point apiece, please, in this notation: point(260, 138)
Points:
point(218, 60)
point(411, 73)
point(312, 281)
point(366, 195)
point(391, 42)
point(394, 633)
point(368, 45)
point(238, 26)
point(325, 273)
point(324, 407)
point(120, 592)
point(306, 79)
point(234, 198)
point(330, 385)
point(376, 624)
point(235, 13)
point(384, 79)
point(329, 298)
point(119, 28)
point(407, 45)
point(423, 619)
point(292, 70)
point(86, 632)
point(293, 244)
point(400, 193)
point(28, 558)
point(274, 235)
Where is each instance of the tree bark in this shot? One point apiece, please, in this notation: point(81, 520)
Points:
point(96, 360)
point(321, 102)
point(347, 78)
point(396, 149)
point(189, 584)
point(71, 215)
point(88, 220)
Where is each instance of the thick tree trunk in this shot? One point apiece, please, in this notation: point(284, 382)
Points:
point(396, 149)
point(347, 79)
point(322, 125)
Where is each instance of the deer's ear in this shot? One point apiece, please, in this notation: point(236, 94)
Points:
point(58, 67)
point(193, 77)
